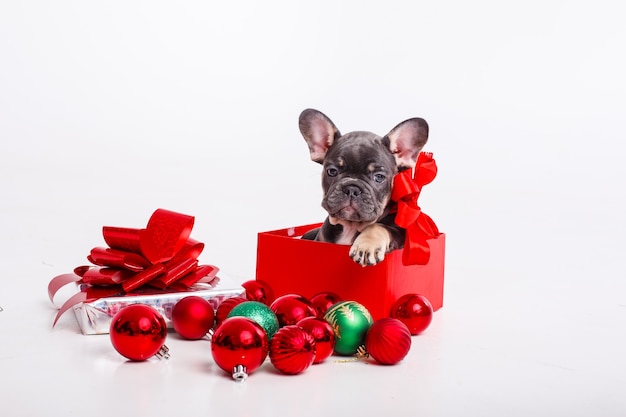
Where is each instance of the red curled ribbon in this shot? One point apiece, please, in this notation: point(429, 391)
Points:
point(407, 186)
point(160, 256)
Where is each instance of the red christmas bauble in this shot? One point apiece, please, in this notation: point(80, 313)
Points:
point(291, 308)
point(138, 332)
point(322, 301)
point(259, 291)
point(225, 307)
point(239, 346)
point(414, 310)
point(322, 333)
point(292, 349)
point(193, 317)
point(388, 341)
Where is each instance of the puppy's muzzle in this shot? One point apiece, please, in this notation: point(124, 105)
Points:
point(352, 191)
point(351, 201)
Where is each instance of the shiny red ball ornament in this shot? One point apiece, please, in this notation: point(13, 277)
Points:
point(292, 349)
point(138, 332)
point(322, 301)
point(291, 308)
point(414, 310)
point(193, 317)
point(225, 307)
point(259, 291)
point(388, 341)
point(239, 346)
point(323, 334)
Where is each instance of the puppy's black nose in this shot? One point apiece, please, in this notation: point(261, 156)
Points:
point(352, 191)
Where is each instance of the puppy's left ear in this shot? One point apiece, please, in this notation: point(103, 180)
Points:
point(406, 140)
point(318, 131)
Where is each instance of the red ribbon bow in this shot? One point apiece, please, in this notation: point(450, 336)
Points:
point(160, 256)
point(419, 226)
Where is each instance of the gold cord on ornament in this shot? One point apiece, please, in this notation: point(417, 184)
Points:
point(361, 353)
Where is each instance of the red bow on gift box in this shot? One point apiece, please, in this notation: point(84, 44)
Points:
point(407, 186)
point(161, 256)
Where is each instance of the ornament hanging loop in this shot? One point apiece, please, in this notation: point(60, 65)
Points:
point(361, 354)
point(240, 373)
point(163, 353)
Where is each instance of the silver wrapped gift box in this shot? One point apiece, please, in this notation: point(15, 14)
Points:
point(95, 317)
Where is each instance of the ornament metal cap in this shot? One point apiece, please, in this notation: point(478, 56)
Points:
point(360, 354)
point(163, 353)
point(240, 373)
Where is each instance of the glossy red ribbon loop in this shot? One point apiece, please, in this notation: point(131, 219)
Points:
point(160, 256)
point(166, 234)
point(122, 238)
point(407, 186)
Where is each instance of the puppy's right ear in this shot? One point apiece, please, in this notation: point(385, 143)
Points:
point(319, 132)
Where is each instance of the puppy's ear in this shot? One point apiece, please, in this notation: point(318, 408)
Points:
point(319, 133)
point(406, 140)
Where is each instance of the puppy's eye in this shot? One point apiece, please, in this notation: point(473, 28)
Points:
point(379, 178)
point(332, 172)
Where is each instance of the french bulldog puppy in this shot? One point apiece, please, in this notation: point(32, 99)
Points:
point(357, 178)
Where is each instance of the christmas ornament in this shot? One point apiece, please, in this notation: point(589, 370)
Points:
point(291, 308)
point(388, 341)
point(193, 317)
point(239, 346)
point(292, 349)
point(258, 312)
point(138, 332)
point(414, 310)
point(350, 321)
point(258, 291)
point(323, 301)
point(222, 311)
point(323, 335)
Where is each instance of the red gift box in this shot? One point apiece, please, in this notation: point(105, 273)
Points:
point(291, 265)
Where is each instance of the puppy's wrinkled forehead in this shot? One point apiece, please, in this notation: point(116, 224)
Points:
point(360, 151)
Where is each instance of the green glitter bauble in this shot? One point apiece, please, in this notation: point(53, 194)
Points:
point(350, 321)
point(259, 313)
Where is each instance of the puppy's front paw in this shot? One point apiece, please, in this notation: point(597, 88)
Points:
point(371, 246)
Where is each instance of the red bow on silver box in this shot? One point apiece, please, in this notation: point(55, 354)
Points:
point(160, 256)
point(407, 186)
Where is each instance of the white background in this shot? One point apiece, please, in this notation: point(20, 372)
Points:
point(110, 110)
